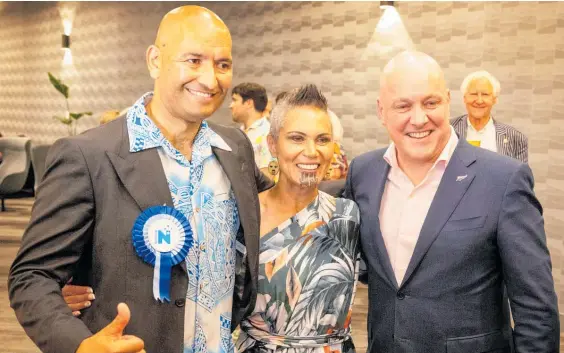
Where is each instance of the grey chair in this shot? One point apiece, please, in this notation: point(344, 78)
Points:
point(38, 156)
point(15, 164)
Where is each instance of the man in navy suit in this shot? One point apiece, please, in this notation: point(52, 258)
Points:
point(444, 226)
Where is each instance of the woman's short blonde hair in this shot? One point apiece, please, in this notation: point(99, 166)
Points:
point(337, 127)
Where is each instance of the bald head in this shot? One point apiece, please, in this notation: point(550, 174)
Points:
point(188, 20)
point(191, 64)
point(410, 64)
point(414, 106)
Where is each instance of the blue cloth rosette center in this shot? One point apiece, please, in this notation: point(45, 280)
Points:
point(162, 237)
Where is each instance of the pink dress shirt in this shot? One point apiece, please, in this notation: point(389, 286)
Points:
point(404, 206)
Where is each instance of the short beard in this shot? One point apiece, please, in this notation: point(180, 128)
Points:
point(308, 180)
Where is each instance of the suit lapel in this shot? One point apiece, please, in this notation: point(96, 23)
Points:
point(462, 127)
point(454, 183)
point(142, 174)
point(501, 141)
point(380, 170)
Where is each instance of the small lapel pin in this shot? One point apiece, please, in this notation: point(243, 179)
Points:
point(461, 177)
point(505, 140)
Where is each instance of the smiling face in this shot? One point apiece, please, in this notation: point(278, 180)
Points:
point(479, 98)
point(414, 107)
point(304, 146)
point(191, 64)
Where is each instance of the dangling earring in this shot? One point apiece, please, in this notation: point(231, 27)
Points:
point(273, 166)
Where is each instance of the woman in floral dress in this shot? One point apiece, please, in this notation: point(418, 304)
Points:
point(309, 251)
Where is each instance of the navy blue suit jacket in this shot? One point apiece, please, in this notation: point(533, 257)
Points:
point(484, 227)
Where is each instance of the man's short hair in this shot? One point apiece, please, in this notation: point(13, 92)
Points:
point(481, 74)
point(254, 91)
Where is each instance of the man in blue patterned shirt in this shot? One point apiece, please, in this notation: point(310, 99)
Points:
point(97, 184)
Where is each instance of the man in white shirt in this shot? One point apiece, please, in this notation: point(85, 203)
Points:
point(478, 127)
point(248, 108)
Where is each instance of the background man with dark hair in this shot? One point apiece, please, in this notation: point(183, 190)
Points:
point(248, 104)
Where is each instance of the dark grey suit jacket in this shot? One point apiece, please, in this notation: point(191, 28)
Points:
point(509, 141)
point(91, 194)
point(484, 227)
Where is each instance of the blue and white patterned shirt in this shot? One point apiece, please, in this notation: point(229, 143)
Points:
point(201, 190)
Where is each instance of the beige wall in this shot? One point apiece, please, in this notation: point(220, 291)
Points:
point(282, 45)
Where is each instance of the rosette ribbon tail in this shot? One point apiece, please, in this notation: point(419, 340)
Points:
point(161, 277)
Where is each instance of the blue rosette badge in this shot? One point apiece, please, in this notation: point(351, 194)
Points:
point(162, 237)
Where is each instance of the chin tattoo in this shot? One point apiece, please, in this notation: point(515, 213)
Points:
point(308, 180)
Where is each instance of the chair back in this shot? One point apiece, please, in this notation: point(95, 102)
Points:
point(15, 164)
point(38, 157)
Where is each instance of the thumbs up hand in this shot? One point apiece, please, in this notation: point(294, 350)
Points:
point(111, 339)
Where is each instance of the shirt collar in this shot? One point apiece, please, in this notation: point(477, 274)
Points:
point(489, 125)
point(257, 124)
point(391, 155)
point(144, 133)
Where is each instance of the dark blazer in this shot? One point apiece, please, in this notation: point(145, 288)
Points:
point(91, 194)
point(484, 227)
point(509, 141)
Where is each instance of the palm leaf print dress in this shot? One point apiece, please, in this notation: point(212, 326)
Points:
point(308, 270)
